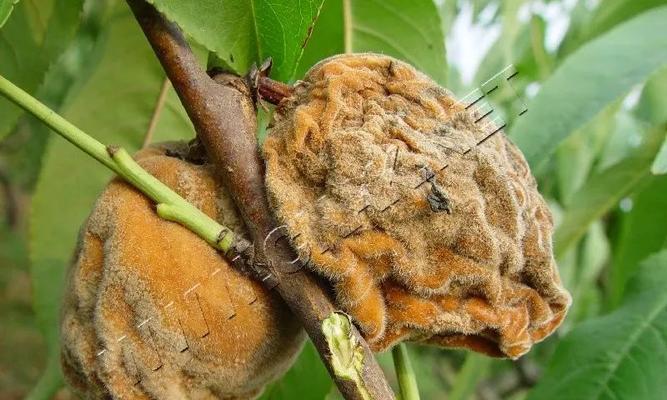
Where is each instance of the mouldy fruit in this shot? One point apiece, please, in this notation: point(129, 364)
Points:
point(427, 228)
point(153, 312)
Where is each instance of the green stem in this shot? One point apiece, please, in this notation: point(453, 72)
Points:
point(171, 206)
point(473, 370)
point(407, 381)
point(347, 356)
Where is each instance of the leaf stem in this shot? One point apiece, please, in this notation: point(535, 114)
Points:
point(159, 105)
point(171, 205)
point(407, 381)
point(347, 27)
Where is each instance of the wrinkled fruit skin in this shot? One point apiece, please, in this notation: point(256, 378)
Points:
point(421, 240)
point(153, 312)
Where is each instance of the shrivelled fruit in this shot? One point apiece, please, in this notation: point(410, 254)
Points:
point(428, 226)
point(153, 312)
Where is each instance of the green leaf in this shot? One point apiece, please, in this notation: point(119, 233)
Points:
point(6, 8)
point(659, 165)
point(242, 32)
point(611, 13)
point(410, 31)
point(114, 105)
point(621, 355)
point(512, 44)
point(652, 105)
point(642, 232)
point(625, 132)
point(26, 55)
point(593, 257)
point(306, 380)
point(588, 80)
point(327, 38)
point(20, 62)
point(602, 191)
point(577, 154)
point(606, 15)
point(472, 371)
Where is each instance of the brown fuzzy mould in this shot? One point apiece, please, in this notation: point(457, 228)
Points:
point(421, 240)
point(153, 312)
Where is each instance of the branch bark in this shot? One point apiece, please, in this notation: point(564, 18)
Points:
point(223, 114)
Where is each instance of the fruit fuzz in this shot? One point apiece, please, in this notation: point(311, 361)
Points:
point(425, 230)
point(153, 311)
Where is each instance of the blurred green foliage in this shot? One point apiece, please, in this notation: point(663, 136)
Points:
point(592, 73)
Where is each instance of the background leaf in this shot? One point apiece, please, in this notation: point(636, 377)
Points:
point(642, 232)
point(308, 379)
point(588, 80)
point(242, 32)
point(114, 105)
point(27, 49)
point(621, 355)
point(327, 37)
point(6, 8)
point(604, 18)
point(602, 191)
point(576, 156)
point(410, 31)
point(659, 165)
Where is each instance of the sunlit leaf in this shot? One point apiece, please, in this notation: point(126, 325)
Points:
point(590, 79)
point(327, 38)
point(652, 105)
point(244, 32)
point(114, 106)
point(604, 17)
point(624, 135)
point(6, 8)
point(652, 109)
point(610, 13)
point(659, 165)
point(621, 355)
point(410, 31)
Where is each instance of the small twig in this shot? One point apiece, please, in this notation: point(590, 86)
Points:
point(407, 381)
point(224, 116)
point(155, 117)
point(273, 91)
point(265, 88)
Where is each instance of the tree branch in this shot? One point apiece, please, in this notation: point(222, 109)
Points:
point(223, 114)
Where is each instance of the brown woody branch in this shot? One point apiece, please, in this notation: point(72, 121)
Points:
point(223, 112)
